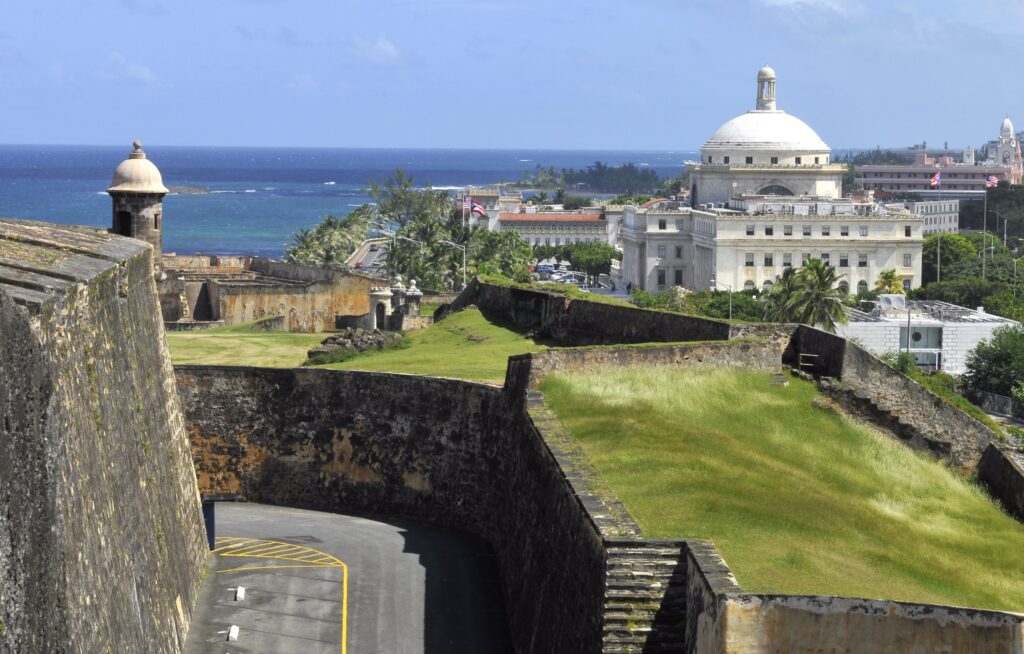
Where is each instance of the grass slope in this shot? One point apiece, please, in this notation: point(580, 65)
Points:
point(240, 345)
point(465, 345)
point(798, 499)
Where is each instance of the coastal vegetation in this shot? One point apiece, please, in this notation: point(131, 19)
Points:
point(598, 177)
point(465, 345)
point(798, 498)
point(240, 345)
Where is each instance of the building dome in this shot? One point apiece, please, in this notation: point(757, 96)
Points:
point(136, 174)
point(766, 73)
point(766, 130)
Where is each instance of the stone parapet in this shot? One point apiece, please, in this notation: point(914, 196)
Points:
point(102, 544)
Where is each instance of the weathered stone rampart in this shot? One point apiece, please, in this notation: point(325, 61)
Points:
point(1001, 470)
point(875, 391)
point(579, 322)
point(101, 536)
point(577, 574)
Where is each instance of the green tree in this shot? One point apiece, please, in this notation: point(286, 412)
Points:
point(808, 295)
point(594, 257)
point(503, 253)
point(329, 243)
point(573, 202)
point(996, 365)
point(955, 248)
point(399, 202)
point(963, 292)
point(889, 282)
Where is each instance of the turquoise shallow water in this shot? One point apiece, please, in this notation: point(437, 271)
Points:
point(260, 196)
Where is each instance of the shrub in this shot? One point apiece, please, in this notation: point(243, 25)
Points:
point(902, 361)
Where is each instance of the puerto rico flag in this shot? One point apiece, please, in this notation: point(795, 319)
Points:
point(936, 179)
point(476, 207)
point(991, 181)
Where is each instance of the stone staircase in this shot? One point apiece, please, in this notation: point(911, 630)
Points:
point(645, 597)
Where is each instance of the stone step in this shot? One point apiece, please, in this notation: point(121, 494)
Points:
point(644, 553)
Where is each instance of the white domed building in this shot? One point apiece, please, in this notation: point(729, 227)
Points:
point(764, 152)
point(138, 191)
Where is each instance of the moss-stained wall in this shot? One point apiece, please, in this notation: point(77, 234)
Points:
point(101, 537)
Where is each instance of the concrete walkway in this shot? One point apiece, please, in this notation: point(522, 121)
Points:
point(325, 583)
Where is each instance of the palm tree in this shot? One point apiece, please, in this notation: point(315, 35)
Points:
point(820, 301)
point(889, 282)
point(809, 295)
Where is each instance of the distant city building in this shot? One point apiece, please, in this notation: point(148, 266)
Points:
point(941, 334)
point(557, 227)
point(939, 216)
point(764, 152)
point(960, 180)
point(753, 242)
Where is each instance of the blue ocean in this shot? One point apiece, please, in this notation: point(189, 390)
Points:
point(259, 197)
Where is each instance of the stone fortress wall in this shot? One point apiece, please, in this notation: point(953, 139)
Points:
point(576, 572)
point(102, 545)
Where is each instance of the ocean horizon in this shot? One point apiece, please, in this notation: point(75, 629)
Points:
point(255, 198)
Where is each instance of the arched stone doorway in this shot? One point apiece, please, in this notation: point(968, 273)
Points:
point(380, 318)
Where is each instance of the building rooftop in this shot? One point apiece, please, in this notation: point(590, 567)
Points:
point(893, 308)
point(551, 216)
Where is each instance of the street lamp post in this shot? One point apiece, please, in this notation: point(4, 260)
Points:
point(1015, 275)
point(714, 283)
point(463, 248)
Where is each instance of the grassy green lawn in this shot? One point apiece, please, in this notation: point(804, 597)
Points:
point(240, 345)
point(465, 345)
point(797, 498)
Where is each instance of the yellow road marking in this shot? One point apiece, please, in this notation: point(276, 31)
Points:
point(262, 548)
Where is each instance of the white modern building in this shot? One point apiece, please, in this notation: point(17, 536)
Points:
point(941, 334)
point(753, 242)
point(764, 152)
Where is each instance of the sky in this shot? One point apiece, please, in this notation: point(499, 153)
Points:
point(559, 74)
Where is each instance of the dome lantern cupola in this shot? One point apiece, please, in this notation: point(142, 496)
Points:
point(766, 89)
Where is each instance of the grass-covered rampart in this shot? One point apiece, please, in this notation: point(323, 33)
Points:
point(797, 498)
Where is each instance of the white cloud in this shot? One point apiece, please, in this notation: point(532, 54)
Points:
point(379, 50)
point(120, 68)
point(838, 6)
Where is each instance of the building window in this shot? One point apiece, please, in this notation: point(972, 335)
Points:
point(816, 160)
point(863, 230)
point(768, 260)
point(678, 277)
point(156, 220)
point(906, 231)
point(862, 286)
point(750, 160)
point(662, 224)
point(807, 230)
point(558, 241)
point(804, 257)
point(725, 159)
point(661, 251)
point(787, 260)
point(826, 230)
point(709, 158)
point(749, 259)
point(844, 230)
point(679, 252)
point(769, 230)
point(775, 160)
point(750, 230)
point(661, 277)
point(787, 230)
point(862, 261)
point(844, 260)
point(798, 161)
point(908, 260)
point(824, 258)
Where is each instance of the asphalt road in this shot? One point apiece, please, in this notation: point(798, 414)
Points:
point(411, 588)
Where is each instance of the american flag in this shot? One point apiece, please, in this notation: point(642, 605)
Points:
point(937, 179)
point(991, 181)
point(467, 202)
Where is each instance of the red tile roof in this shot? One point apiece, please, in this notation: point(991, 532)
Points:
point(651, 203)
point(551, 217)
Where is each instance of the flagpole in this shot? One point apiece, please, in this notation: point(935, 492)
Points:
point(984, 232)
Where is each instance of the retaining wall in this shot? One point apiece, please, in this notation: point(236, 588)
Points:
point(579, 322)
point(1001, 470)
point(875, 391)
point(102, 544)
